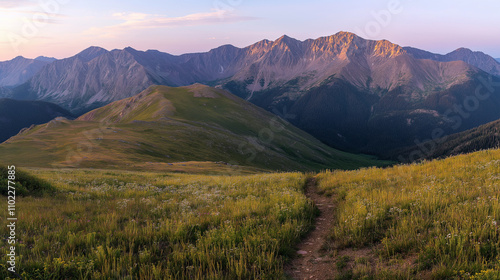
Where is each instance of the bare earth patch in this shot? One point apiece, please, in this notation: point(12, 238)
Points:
point(313, 262)
point(316, 256)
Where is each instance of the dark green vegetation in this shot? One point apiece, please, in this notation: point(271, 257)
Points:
point(16, 115)
point(433, 220)
point(25, 184)
point(165, 125)
point(480, 138)
point(133, 225)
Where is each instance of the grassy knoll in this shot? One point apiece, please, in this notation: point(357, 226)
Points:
point(165, 125)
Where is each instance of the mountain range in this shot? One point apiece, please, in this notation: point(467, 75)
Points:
point(478, 59)
point(354, 94)
point(163, 125)
point(19, 70)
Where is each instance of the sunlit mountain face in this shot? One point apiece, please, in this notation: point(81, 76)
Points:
point(354, 94)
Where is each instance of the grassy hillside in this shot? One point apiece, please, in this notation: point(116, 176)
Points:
point(434, 220)
point(138, 225)
point(165, 125)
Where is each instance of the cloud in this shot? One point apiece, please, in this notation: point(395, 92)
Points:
point(32, 11)
point(11, 4)
point(47, 20)
point(130, 16)
point(150, 21)
point(35, 13)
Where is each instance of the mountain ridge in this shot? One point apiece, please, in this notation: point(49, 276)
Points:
point(377, 88)
point(165, 125)
point(475, 58)
point(19, 70)
point(330, 54)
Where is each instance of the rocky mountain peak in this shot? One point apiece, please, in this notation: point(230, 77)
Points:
point(130, 49)
point(45, 59)
point(463, 50)
point(260, 47)
point(91, 53)
point(387, 49)
point(286, 43)
point(17, 58)
point(285, 39)
point(345, 36)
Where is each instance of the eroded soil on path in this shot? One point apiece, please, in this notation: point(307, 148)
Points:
point(312, 261)
point(315, 257)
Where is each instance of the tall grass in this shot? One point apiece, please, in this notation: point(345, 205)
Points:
point(132, 225)
point(446, 213)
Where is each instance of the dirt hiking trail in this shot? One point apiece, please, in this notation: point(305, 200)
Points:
point(312, 261)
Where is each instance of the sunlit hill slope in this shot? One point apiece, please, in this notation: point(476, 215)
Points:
point(163, 125)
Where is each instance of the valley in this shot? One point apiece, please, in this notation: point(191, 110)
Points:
point(484, 137)
point(338, 157)
point(16, 115)
point(164, 125)
point(353, 94)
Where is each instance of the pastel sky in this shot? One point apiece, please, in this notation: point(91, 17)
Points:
point(62, 28)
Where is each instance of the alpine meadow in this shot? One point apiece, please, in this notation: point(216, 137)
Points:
point(241, 140)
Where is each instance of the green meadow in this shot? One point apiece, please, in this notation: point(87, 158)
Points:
point(432, 220)
point(137, 225)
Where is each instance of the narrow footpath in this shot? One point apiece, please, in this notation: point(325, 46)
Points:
point(313, 262)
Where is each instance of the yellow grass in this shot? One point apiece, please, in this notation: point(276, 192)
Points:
point(446, 213)
point(137, 225)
